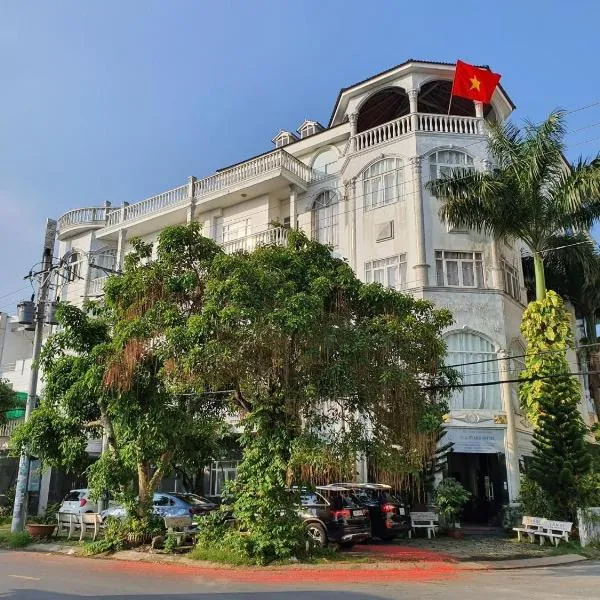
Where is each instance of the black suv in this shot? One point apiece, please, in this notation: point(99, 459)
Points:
point(333, 515)
point(388, 514)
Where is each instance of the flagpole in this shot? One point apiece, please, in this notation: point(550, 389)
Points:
point(450, 103)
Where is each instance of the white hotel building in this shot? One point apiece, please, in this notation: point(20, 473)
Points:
point(359, 184)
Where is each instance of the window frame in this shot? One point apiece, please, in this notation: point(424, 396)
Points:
point(401, 273)
point(368, 177)
point(475, 259)
point(330, 229)
point(512, 272)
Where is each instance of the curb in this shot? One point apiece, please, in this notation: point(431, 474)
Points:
point(167, 559)
point(524, 563)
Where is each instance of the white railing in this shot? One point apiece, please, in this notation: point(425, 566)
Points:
point(96, 286)
point(279, 159)
point(449, 124)
point(277, 236)
point(8, 367)
point(7, 429)
point(383, 133)
point(84, 216)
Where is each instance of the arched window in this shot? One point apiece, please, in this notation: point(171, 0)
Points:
point(382, 183)
point(443, 162)
point(325, 162)
point(465, 347)
point(325, 218)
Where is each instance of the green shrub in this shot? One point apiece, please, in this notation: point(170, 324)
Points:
point(535, 502)
point(15, 540)
point(450, 497)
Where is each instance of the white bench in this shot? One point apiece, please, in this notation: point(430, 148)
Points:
point(555, 531)
point(67, 522)
point(424, 520)
point(531, 526)
point(180, 528)
point(89, 522)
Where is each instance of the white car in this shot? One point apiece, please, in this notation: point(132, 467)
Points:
point(77, 502)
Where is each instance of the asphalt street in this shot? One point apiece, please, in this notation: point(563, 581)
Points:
point(33, 576)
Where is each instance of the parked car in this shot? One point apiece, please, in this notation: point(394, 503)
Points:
point(77, 502)
point(171, 504)
point(388, 514)
point(333, 515)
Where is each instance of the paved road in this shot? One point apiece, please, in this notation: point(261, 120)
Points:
point(31, 576)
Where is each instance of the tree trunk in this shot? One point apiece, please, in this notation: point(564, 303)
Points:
point(540, 277)
point(590, 328)
point(144, 493)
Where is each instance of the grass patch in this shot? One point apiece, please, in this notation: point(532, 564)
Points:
point(220, 555)
point(592, 551)
point(14, 540)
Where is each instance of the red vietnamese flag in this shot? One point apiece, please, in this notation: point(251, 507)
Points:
point(473, 82)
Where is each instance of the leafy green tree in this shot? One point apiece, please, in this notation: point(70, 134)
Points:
point(7, 400)
point(105, 372)
point(550, 395)
point(531, 195)
point(310, 353)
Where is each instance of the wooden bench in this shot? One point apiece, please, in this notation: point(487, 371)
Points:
point(180, 528)
point(555, 531)
point(424, 520)
point(531, 526)
point(89, 522)
point(66, 522)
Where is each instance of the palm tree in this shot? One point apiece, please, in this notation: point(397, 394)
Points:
point(532, 194)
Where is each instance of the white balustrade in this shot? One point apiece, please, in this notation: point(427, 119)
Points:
point(156, 203)
point(383, 133)
point(279, 159)
point(276, 235)
point(449, 124)
point(96, 286)
point(83, 216)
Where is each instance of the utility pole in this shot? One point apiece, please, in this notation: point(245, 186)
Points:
point(20, 506)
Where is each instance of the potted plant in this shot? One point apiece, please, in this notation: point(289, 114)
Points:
point(450, 497)
point(42, 526)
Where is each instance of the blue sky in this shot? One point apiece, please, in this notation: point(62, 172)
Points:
point(119, 100)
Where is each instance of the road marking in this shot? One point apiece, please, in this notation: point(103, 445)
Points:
point(25, 577)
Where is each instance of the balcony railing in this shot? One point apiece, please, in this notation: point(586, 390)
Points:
point(7, 429)
point(383, 133)
point(277, 235)
point(96, 287)
point(449, 124)
point(278, 159)
point(84, 216)
point(253, 168)
point(424, 122)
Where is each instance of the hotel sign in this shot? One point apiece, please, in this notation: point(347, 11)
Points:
point(472, 440)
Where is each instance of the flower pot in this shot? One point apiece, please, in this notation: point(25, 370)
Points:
point(457, 534)
point(40, 531)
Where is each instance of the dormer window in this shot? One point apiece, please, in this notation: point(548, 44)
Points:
point(283, 138)
point(309, 128)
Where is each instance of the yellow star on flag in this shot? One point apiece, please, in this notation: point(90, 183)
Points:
point(475, 83)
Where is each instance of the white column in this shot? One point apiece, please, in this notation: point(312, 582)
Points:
point(293, 213)
point(190, 193)
point(413, 98)
point(421, 267)
point(121, 239)
point(351, 187)
point(497, 282)
point(510, 444)
point(479, 115)
point(353, 118)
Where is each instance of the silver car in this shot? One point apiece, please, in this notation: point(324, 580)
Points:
point(171, 504)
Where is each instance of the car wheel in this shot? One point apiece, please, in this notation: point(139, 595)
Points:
point(317, 534)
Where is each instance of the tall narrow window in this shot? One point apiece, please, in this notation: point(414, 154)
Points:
point(325, 218)
point(389, 272)
point(459, 269)
point(469, 354)
point(73, 270)
point(382, 183)
point(511, 281)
